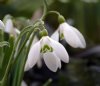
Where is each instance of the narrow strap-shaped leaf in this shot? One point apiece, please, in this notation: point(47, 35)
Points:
point(4, 77)
point(7, 54)
point(48, 82)
point(18, 67)
point(1, 48)
point(19, 71)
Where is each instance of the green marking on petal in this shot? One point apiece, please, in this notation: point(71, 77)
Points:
point(61, 36)
point(46, 48)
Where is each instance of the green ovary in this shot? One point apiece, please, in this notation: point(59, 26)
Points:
point(46, 48)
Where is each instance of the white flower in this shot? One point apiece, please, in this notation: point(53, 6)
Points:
point(51, 51)
point(72, 36)
point(1, 25)
point(9, 28)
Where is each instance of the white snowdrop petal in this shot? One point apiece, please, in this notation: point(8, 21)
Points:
point(33, 56)
point(17, 31)
point(1, 25)
point(80, 37)
point(27, 67)
point(35, 40)
point(39, 62)
point(9, 26)
point(55, 35)
point(44, 40)
point(51, 61)
point(60, 51)
point(59, 63)
point(70, 36)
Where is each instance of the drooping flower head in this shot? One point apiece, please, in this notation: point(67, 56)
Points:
point(50, 50)
point(71, 35)
point(9, 28)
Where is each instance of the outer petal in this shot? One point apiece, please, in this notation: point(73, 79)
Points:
point(9, 26)
point(70, 36)
point(59, 63)
point(17, 31)
point(35, 40)
point(1, 25)
point(60, 51)
point(55, 35)
point(33, 56)
point(51, 61)
point(39, 62)
point(80, 37)
point(44, 40)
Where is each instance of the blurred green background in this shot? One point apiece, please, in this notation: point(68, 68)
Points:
point(84, 66)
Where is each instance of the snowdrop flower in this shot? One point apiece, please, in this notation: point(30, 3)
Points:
point(71, 35)
point(1, 25)
point(9, 28)
point(50, 51)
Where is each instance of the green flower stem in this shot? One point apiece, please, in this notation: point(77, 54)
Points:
point(50, 12)
point(54, 12)
point(45, 9)
point(46, 4)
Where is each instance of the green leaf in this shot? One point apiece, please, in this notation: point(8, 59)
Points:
point(6, 58)
point(1, 48)
point(9, 56)
point(20, 61)
point(8, 51)
point(18, 71)
point(48, 82)
point(4, 43)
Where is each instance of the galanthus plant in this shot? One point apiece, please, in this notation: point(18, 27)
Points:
point(21, 50)
point(49, 50)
